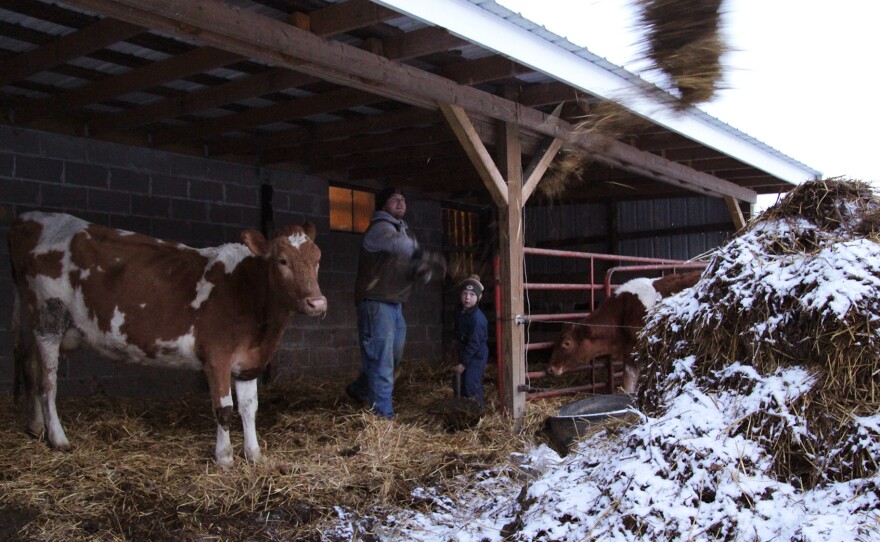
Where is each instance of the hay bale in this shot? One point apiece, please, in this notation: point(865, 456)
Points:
point(799, 287)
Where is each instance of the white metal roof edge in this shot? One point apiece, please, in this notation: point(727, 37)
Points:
point(497, 28)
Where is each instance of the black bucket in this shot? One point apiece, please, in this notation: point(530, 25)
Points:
point(576, 419)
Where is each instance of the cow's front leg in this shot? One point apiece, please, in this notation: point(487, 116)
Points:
point(246, 393)
point(221, 398)
point(630, 375)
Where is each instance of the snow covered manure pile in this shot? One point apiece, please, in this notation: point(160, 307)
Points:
point(760, 407)
point(795, 301)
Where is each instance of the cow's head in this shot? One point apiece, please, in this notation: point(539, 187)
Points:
point(293, 259)
point(610, 330)
point(580, 344)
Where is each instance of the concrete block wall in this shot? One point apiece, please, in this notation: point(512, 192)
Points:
point(198, 202)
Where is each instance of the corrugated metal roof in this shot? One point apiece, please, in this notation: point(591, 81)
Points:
point(584, 53)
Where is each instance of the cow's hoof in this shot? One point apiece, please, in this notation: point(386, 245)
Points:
point(253, 456)
point(60, 444)
point(34, 431)
point(65, 447)
point(225, 461)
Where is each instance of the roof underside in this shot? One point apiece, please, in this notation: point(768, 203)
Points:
point(348, 91)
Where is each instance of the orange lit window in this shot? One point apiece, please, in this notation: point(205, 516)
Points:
point(350, 210)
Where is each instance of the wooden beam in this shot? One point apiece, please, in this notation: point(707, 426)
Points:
point(346, 16)
point(332, 130)
point(420, 160)
point(739, 221)
point(332, 20)
point(619, 155)
point(549, 94)
point(420, 42)
point(250, 34)
point(287, 111)
point(541, 161)
point(510, 248)
point(477, 153)
point(66, 48)
point(481, 70)
point(195, 61)
point(386, 144)
point(238, 89)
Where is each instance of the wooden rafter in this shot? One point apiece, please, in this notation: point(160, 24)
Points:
point(80, 43)
point(252, 35)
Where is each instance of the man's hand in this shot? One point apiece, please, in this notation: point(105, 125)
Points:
point(423, 273)
point(458, 368)
point(427, 265)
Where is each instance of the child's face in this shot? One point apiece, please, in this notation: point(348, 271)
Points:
point(468, 299)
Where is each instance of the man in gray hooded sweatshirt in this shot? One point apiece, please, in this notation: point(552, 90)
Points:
point(388, 265)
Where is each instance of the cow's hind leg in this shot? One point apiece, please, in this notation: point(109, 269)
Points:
point(26, 370)
point(221, 398)
point(246, 393)
point(630, 375)
point(32, 376)
point(52, 321)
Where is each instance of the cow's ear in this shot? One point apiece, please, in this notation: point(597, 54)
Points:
point(255, 242)
point(310, 230)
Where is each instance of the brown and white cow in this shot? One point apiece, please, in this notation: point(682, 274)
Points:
point(131, 297)
point(612, 329)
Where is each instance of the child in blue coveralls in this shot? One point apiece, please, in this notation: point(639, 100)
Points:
point(470, 336)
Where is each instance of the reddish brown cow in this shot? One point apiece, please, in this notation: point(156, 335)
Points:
point(611, 329)
point(131, 297)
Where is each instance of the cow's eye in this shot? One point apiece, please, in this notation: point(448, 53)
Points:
point(282, 261)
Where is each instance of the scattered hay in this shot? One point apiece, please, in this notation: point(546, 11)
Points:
point(800, 287)
point(141, 470)
point(682, 40)
point(605, 118)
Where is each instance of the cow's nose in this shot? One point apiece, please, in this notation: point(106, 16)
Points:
point(317, 303)
point(552, 371)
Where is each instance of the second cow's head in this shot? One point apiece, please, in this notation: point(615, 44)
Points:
point(580, 344)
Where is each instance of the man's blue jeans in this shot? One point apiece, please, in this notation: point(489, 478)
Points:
point(381, 334)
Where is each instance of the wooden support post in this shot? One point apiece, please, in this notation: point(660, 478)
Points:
point(510, 230)
point(469, 139)
point(736, 213)
point(508, 196)
point(541, 161)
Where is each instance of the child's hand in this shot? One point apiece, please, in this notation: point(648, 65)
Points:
point(459, 368)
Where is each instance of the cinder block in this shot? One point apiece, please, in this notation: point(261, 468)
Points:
point(109, 201)
point(129, 181)
point(38, 168)
point(80, 174)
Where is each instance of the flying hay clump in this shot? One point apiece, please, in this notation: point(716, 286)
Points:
point(682, 41)
point(795, 298)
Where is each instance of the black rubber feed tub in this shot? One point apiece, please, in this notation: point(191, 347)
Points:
point(576, 419)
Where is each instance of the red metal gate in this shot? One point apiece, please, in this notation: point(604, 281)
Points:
point(641, 265)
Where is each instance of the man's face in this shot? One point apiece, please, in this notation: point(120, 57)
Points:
point(395, 206)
